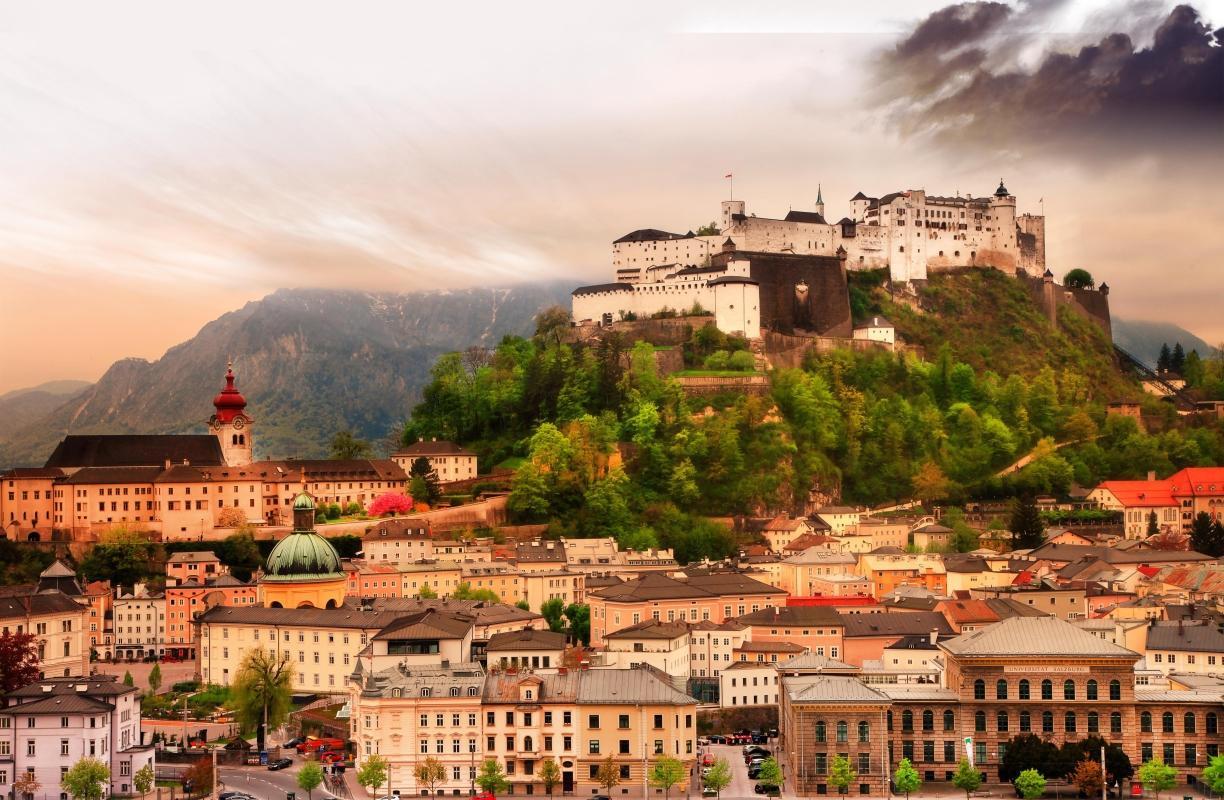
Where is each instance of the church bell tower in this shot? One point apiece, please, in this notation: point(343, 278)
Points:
point(231, 425)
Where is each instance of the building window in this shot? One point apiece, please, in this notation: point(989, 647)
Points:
point(864, 732)
point(1069, 722)
point(1092, 690)
point(928, 720)
point(907, 721)
point(1024, 689)
point(820, 730)
point(1047, 722)
point(949, 720)
point(1189, 724)
point(1047, 690)
point(1166, 722)
point(1115, 690)
point(979, 689)
point(979, 721)
point(1068, 689)
point(1212, 723)
point(1026, 722)
point(1115, 722)
point(1001, 720)
point(1145, 722)
point(1094, 722)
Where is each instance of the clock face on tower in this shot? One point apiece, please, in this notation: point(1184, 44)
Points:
point(216, 424)
point(239, 422)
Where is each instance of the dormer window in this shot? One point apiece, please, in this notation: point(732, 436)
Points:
point(426, 691)
point(471, 691)
point(396, 692)
point(528, 693)
point(454, 691)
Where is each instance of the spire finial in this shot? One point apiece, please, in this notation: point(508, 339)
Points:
point(819, 199)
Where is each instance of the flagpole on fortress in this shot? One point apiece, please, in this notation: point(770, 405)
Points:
point(731, 177)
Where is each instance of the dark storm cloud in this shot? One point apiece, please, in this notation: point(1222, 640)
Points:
point(956, 77)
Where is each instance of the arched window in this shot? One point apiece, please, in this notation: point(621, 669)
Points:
point(1092, 690)
point(889, 721)
point(1189, 723)
point(979, 721)
point(396, 692)
point(1166, 722)
point(1115, 690)
point(1212, 722)
point(864, 732)
point(426, 691)
point(928, 720)
point(1115, 722)
point(1047, 690)
point(907, 720)
point(1024, 689)
point(1001, 720)
point(1145, 722)
point(979, 689)
point(1069, 722)
point(1047, 722)
point(1026, 722)
point(454, 691)
point(473, 691)
point(1068, 689)
point(527, 744)
point(1001, 689)
point(1094, 722)
point(843, 731)
point(820, 729)
point(949, 720)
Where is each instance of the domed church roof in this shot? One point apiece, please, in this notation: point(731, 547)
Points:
point(229, 402)
point(303, 555)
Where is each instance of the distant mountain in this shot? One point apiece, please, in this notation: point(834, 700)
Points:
point(310, 362)
point(1143, 338)
point(21, 407)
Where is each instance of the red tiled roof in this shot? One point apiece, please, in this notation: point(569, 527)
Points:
point(1198, 481)
point(1142, 494)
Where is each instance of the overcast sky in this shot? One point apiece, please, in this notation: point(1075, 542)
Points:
point(158, 168)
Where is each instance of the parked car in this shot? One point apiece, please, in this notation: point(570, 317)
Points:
point(754, 773)
point(601, 797)
point(708, 791)
point(766, 788)
point(479, 796)
point(759, 738)
point(702, 741)
point(294, 742)
point(718, 739)
point(235, 796)
point(280, 763)
point(311, 745)
point(332, 756)
point(773, 733)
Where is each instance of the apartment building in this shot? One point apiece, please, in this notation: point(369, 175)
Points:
point(58, 622)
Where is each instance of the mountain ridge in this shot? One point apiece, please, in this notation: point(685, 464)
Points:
point(310, 362)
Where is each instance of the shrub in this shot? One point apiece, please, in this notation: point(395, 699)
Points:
point(717, 360)
point(741, 360)
point(333, 511)
point(390, 503)
point(352, 509)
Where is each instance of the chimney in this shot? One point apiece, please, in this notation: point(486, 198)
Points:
point(1151, 475)
point(1181, 627)
point(934, 635)
point(167, 463)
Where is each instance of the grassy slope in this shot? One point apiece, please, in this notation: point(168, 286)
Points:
point(990, 322)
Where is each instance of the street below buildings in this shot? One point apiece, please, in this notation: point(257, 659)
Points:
point(172, 671)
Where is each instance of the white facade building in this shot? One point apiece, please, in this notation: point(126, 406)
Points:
point(140, 624)
point(50, 725)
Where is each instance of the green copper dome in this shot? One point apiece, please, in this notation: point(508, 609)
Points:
point(303, 502)
point(303, 555)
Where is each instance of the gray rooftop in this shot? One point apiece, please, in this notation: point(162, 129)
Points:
point(1036, 637)
point(1200, 637)
point(830, 689)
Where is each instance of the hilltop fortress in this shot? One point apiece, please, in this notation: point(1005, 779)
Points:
point(789, 274)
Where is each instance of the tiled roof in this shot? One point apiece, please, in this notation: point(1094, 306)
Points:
point(96, 686)
point(89, 476)
point(135, 450)
point(830, 689)
point(791, 616)
point(628, 686)
point(968, 611)
point(1200, 637)
point(650, 629)
point(19, 473)
point(1198, 481)
point(526, 639)
point(540, 551)
point(357, 469)
point(771, 647)
point(42, 603)
point(60, 704)
point(428, 624)
point(655, 586)
point(805, 216)
point(650, 235)
point(1142, 494)
point(895, 624)
point(1038, 637)
point(811, 661)
point(1113, 555)
point(918, 693)
point(192, 555)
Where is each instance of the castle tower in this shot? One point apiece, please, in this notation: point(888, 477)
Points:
point(231, 425)
point(819, 201)
point(731, 209)
point(1003, 233)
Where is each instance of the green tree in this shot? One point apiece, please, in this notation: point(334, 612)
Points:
point(261, 691)
point(88, 779)
point(770, 773)
point(967, 778)
point(1030, 784)
point(1205, 535)
point(155, 678)
point(719, 776)
point(1213, 774)
point(347, 447)
point(906, 778)
point(240, 553)
point(552, 610)
point(841, 774)
point(608, 774)
point(579, 617)
point(427, 592)
point(309, 777)
point(127, 678)
point(372, 773)
point(709, 229)
point(144, 779)
point(424, 481)
point(665, 773)
point(464, 591)
point(1027, 529)
point(1177, 361)
point(430, 773)
point(523, 604)
point(1079, 279)
point(550, 775)
point(1162, 360)
point(1157, 776)
point(491, 778)
point(123, 558)
point(1153, 524)
point(551, 324)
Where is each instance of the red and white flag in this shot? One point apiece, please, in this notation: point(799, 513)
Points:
point(728, 175)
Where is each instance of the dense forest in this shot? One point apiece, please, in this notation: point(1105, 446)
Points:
point(602, 444)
